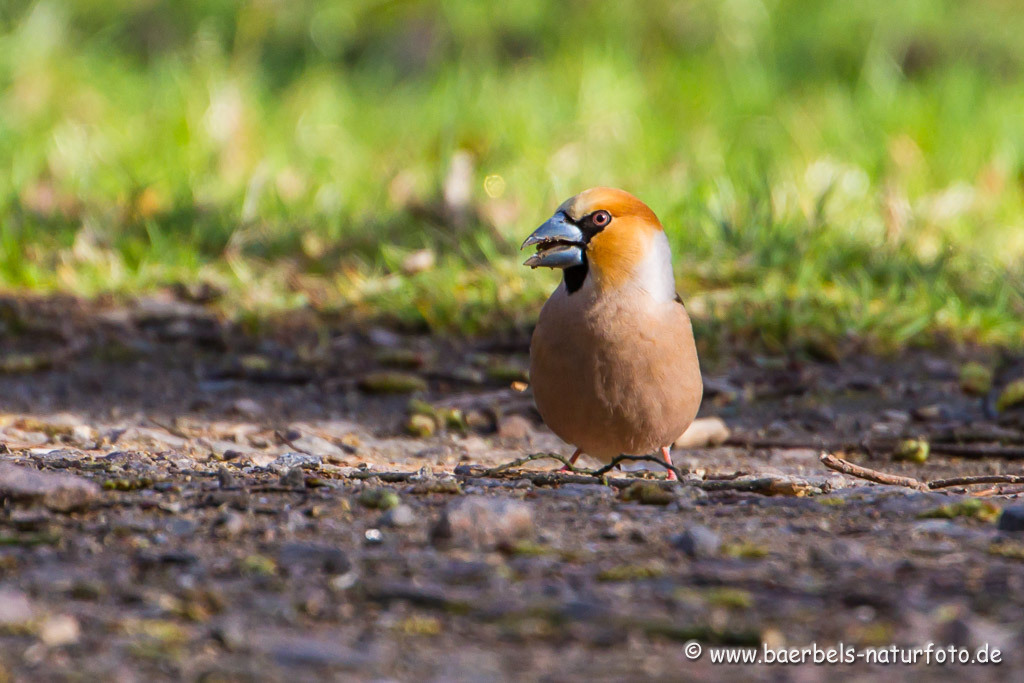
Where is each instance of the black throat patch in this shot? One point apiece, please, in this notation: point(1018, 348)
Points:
point(575, 276)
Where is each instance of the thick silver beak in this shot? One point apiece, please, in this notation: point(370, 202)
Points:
point(560, 244)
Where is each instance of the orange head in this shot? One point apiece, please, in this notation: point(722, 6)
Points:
point(606, 234)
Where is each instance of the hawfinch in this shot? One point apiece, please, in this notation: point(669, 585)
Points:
point(613, 363)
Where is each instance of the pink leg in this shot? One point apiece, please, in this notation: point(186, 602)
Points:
point(572, 460)
point(666, 453)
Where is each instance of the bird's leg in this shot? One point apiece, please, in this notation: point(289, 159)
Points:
point(572, 461)
point(666, 453)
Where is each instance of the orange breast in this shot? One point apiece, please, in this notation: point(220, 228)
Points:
point(610, 377)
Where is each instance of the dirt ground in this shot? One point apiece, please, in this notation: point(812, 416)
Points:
point(309, 500)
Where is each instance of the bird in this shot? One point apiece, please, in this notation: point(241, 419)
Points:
point(613, 361)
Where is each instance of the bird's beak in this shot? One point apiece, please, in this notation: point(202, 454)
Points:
point(560, 244)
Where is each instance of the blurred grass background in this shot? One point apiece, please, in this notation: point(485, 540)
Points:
point(825, 170)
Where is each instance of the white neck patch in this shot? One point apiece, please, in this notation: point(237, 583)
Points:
point(654, 274)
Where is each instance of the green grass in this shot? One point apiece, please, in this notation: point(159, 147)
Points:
point(825, 170)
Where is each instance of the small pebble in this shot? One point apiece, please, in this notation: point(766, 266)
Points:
point(637, 535)
point(225, 479)
point(1012, 518)
point(483, 523)
point(61, 629)
point(615, 526)
point(294, 478)
point(290, 461)
point(230, 523)
point(703, 433)
point(246, 407)
point(400, 516)
point(314, 556)
point(698, 541)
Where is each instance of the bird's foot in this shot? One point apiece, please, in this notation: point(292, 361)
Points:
point(667, 455)
point(572, 461)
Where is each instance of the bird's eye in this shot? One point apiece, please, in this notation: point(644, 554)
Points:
point(601, 218)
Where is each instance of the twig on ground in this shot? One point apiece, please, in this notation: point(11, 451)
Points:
point(978, 479)
point(839, 465)
point(635, 458)
point(598, 473)
point(281, 436)
point(559, 478)
point(764, 485)
point(530, 458)
point(768, 486)
point(979, 450)
point(171, 429)
point(384, 475)
point(725, 476)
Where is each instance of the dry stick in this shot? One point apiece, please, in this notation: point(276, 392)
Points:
point(636, 458)
point(174, 431)
point(498, 469)
point(763, 485)
point(598, 473)
point(959, 450)
point(383, 475)
point(556, 478)
point(979, 479)
point(284, 438)
point(839, 465)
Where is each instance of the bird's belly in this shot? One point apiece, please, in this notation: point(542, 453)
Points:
point(614, 396)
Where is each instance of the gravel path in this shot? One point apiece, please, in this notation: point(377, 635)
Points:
point(183, 500)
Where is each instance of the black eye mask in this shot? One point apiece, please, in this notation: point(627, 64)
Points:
point(575, 277)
